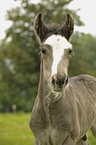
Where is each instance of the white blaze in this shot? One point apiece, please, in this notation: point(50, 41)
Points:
point(58, 44)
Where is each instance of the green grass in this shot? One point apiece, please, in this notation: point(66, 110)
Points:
point(91, 139)
point(14, 130)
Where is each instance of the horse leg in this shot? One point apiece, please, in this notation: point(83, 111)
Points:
point(83, 141)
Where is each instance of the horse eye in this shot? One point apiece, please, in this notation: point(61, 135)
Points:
point(70, 51)
point(43, 51)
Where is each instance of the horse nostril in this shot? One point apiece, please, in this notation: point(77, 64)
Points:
point(62, 81)
point(53, 79)
point(56, 82)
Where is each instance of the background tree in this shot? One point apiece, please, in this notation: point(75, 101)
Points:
point(19, 57)
point(84, 60)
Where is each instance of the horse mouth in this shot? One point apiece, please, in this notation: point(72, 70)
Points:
point(58, 90)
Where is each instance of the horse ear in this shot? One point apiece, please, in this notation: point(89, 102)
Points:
point(68, 27)
point(41, 30)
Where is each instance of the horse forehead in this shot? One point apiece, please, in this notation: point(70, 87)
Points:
point(58, 42)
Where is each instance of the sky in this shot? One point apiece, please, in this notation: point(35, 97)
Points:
point(87, 13)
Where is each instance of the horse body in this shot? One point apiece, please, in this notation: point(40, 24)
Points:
point(72, 115)
point(65, 109)
point(84, 87)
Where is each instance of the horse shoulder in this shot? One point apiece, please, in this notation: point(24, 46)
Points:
point(84, 87)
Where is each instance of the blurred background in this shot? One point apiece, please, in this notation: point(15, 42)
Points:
point(20, 60)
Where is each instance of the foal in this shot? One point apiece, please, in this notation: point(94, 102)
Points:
point(65, 108)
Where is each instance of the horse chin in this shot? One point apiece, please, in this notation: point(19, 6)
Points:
point(57, 88)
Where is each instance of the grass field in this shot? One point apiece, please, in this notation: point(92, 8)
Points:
point(14, 130)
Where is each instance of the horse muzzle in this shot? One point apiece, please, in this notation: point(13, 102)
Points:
point(59, 82)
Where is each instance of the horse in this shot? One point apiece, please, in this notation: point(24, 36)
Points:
point(65, 108)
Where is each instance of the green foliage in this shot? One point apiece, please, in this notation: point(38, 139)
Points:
point(91, 138)
point(14, 130)
point(84, 60)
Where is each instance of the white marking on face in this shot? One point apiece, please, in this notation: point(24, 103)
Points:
point(58, 44)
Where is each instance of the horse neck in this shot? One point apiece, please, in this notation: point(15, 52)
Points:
point(43, 89)
point(40, 87)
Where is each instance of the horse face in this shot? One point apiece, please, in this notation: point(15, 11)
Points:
point(55, 50)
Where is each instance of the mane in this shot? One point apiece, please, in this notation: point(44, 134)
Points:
point(53, 29)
